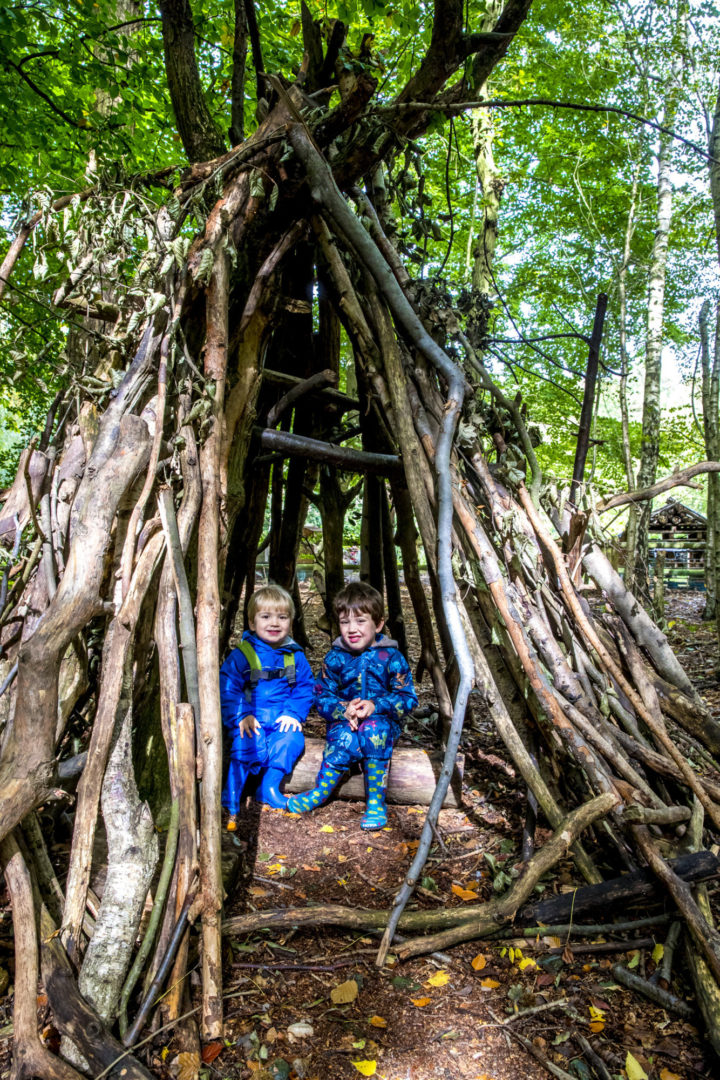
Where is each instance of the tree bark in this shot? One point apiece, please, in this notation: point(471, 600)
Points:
point(200, 137)
point(412, 778)
point(651, 420)
point(208, 617)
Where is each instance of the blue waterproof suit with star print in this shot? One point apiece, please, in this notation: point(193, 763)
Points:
point(380, 674)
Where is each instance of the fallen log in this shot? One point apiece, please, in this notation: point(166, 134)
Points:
point(629, 887)
point(412, 779)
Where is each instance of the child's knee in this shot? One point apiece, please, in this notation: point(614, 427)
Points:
point(377, 737)
point(342, 747)
point(285, 749)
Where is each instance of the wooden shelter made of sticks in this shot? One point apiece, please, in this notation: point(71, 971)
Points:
point(133, 529)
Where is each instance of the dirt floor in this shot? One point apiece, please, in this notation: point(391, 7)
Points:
point(312, 1005)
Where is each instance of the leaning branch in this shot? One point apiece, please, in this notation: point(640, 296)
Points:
point(499, 912)
point(454, 108)
point(677, 479)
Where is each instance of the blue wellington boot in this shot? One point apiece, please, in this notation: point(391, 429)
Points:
point(232, 792)
point(269, 792)
point(376, 780)
point(327, 780)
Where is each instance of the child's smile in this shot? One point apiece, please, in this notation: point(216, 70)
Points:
point(358, 630)
point(271, 625)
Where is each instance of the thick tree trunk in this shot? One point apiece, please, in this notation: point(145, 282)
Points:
point(200, 137)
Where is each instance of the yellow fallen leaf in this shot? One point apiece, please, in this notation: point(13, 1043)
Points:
point(665, 1074)
point(421, 1002)
point(369, 850)
point(553, 941)
point(365, 1068)
point(595, 1013)
point(526, 962)
point(188, 1066)
point(342, 881)
point(440, 979)
point(164, 1052)
point(378, 1021)
point(464, 894)
point(597, 1026)
point(634, 1069)
point(489, 984)
point(414, 810)
point(658, 953)
point(344, 993)
point(326, 828)
point(478, 962)
point(342, 858)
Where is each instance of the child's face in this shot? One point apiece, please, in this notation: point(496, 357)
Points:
point(271, 624)
point(358, 630)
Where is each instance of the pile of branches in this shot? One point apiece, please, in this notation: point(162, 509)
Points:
point(132, 499)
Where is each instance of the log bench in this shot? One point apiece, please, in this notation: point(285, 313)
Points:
point(413, 776)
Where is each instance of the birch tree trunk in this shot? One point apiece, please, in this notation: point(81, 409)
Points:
point(711, 431)
point(647, 473)
point(632, 520)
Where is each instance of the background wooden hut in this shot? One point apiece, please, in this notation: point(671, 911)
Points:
point(681, 533)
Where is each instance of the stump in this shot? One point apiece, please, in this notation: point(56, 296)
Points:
point(412, 780)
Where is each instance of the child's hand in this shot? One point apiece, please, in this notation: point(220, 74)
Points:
point(362, 708)
point(288, 723)
point(351, 715)
point(248, 726)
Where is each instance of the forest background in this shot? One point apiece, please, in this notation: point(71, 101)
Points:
point(84, 96)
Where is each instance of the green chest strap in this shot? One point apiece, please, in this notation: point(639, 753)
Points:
point(258, 672)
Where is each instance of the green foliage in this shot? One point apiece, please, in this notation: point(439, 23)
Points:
point(84, 99)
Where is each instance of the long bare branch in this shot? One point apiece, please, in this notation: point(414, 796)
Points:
point(681, 478)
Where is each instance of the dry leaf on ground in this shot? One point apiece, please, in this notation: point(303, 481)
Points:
point(211, 1050)
point(464, 894)
point(187, 1066)
point(365, 1068)
point(344, 993)
point(634, 1069)
point(440, 979)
